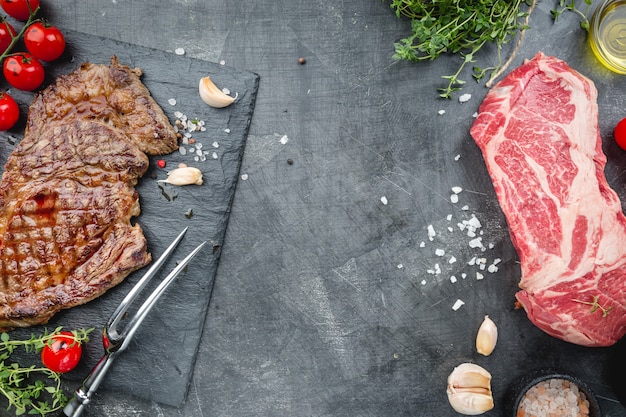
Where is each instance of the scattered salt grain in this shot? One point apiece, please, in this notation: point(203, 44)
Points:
point(179, 51)
point(431, 232)
point(214, 155)
point(284, 139)
point(441, 112)
point(227, 130)
point(464, 98)
point(440, 252)
point(456, 158)
point(475, 115)
point(457, 304)
point(449, 217)
point(222, 62)
point(479, 276)
point(423, 282)
point(457, 190)
point(465, 208)
point(422, 244)
point(244, 176)
point(400, 266)
point(216, 145)
point(383, 200)
point(172, 101)
point(453, 279)
point(454, 198)
point(452, 260)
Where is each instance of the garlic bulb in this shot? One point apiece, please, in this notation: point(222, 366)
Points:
point(487, 337)
point(469, 389)
point(213, 96)
point(184, 176)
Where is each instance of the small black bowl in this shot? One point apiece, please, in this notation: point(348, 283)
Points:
point(519, 389)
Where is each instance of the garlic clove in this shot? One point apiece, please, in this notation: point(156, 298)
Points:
point(184, 176)
point(471, 404)
point(487, 337)
point(213, 96)
point(469, 389)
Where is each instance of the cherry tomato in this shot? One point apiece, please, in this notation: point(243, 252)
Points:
point(19, 9)
point(44, 41)
point(23, 71)
point(620, 134)
point(62, 353)
point(7, 32)
point(9, 111)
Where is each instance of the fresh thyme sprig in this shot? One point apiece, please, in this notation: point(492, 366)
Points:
point(595, 306)
point(461, 27)
point(570, 5)
point(32, 389)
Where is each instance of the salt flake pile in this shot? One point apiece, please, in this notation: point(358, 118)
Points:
point(468, 256)
point(189, 143)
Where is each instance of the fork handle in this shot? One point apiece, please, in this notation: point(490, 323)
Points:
point(82, 396)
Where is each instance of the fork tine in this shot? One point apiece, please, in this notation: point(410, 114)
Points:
point(145, 308)
point(139, 286)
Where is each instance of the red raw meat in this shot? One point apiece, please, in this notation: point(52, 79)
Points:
point(538, 133)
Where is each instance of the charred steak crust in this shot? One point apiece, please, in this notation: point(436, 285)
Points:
point(67, 195)
point(112, 94)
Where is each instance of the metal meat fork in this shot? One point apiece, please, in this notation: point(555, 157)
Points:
point(114, 341)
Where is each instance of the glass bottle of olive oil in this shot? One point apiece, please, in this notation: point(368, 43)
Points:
point(607, 34)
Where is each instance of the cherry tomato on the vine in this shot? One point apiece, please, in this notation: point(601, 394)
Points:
point(44, 41)
point(19, 9)
point(9, 111)
point(23, 71)
point(620, 134)
point(62, 353)
point(7, 32)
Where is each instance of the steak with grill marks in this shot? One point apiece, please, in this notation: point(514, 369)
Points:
point(67, 195)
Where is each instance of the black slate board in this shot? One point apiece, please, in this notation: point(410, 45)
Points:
point(159, 362)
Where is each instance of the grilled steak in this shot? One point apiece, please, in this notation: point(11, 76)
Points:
point(112, 94)
point(67, 194)
point(538, 132)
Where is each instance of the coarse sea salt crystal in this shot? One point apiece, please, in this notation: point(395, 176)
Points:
point(465, 98)
point(284, 139)
point(216, 145)
point(431, 232)
point(400, 266)
point(422, 244)
point(179, 51)
point(454, 198)
point(458, 304)
point(479, 276)
point(383, 200)
point(172, 101)
point(456, 190)
point(244, 176)
point(441, 112)
point(453, 279)
point(440, 252)
point(449, 217)
point(452, 260)
point(423, 282)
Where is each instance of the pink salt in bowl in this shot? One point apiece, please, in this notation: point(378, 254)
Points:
point(554, 393)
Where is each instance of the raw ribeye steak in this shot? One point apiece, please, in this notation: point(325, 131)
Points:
point(538, 133)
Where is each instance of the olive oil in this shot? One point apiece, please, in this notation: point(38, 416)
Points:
point(607, 34)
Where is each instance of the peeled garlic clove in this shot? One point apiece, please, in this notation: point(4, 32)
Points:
point(469, 389)
point(487, 337)
point(213, 96)
point(184, 176)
